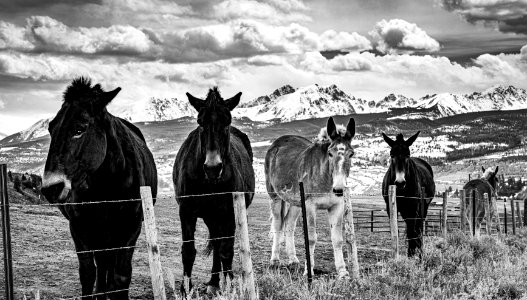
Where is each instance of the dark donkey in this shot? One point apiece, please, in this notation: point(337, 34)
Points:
point(215, 158)
point(409, 175)
point(94, 156)
point(486, 184)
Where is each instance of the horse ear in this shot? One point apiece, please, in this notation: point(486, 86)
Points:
point(496, 171)
point(331, 129)
point(107, 97)
point(483, 169)
point(388, 140)
point(350, 129)
point(195, 102)
point(234, 101)
point(412, 139)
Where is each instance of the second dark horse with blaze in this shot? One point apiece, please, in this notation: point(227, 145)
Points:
point(409, 175)
point(216, 158)
point(94, 156)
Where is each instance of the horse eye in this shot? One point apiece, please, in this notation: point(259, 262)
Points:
point(79, 131)
point(330, 154)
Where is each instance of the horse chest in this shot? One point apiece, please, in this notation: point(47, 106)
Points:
point(325, 201)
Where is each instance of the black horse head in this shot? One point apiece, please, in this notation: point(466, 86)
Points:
point(400, 155)
point(78, 139)
point(214, 119)
point(491, 176)
point(340, 152)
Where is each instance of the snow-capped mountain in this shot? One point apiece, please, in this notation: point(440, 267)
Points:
point(391, 101)
point(37, 130)
point(2, 135)
point(312, 101)
point(155, 109)
point(286, 89)
point(443, 105)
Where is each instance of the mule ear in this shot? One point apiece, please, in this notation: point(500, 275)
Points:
point(483, 169)
point(195, 102)
point(331, 129)
point(107, 97)
point(412, 139)
point(350, 129)
point(234, 101)
point(388, 140)
point(496, 171)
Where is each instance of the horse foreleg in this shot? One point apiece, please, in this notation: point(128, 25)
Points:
point(276, 230)
point(188, 251)
point(101, 287)
point(335, 216)
point(86, 273)
point(289, 228)
point(213, 285)
point(227, 246)
point(120, 276)
point(311, 212)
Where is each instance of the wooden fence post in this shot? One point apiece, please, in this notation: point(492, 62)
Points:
point(394, 230)
point(351, 240)
point(306, 234)
point(240, 212)
point(505, 216)
point(519, 214)
point(422, 212)
point(488, 218)
point(371, 223)
point(494, 207)
point(6, 234)
point(462, 212)
point(445, 214)
point(154, 257)
point(513, 217)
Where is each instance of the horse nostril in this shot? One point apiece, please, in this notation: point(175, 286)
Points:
point(53, 192)
point(213, 172)
point(400, 184)
point(338, 192)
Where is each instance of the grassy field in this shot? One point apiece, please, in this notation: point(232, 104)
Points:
point(456, 268)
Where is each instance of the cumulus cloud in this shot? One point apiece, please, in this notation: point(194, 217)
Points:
point(400, 36)
point(2, 104)
point(332, 40)
point(523, 53)
point(504, 15)
point(315, 62)
point(266, 60)
point(45, 34)
point(275, 11)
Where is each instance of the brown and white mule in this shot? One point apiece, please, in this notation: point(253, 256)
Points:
point(323, 167)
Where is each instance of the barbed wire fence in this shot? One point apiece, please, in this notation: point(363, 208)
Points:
point(55, 256)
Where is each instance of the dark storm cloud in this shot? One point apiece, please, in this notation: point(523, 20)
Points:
point(506, 16)
point(19, 6)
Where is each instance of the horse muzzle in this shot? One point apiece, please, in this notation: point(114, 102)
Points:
point(56, 188)
point(339, 192)
point(213, 172)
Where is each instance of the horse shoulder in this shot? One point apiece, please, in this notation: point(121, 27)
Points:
point(133, 128)
point(244, 140)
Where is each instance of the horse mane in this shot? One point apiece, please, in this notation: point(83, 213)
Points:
point(399, 138)
point(80, 86)
point(213, 96)
point(323, 136)
point(245, 140)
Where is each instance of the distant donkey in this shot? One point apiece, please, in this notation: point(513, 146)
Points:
point(94, 156)
point(323, 167)
point(487, 184)
point(409, 175)
point(214, 161)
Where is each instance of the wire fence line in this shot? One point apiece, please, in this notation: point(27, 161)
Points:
point(358, 211)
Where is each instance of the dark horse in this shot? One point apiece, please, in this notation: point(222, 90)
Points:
point(485, 185)
point(94, 156)
point(215, 158)
point(409, 175)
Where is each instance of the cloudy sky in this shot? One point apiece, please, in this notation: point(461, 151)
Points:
point(164, 48)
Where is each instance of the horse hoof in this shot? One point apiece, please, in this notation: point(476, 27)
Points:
point(274, 263)
point(344, 275)
point(213, 290)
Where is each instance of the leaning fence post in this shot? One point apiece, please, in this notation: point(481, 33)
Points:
point(154, 257)
point(488, 218)
point(394, 230)
point(306, 233)
point(462, 212)
point(513, 220)
point(240, 212)
point(351, 238)
point(519, 214)
point(445, 214)
point(6, 234)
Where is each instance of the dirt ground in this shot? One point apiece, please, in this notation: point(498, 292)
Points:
point(44, 257)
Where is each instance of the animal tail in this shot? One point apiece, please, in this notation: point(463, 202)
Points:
point(284, 209)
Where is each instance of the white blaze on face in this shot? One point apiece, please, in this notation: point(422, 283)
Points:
point(212, 158)
point(339, 177)
point(399, 177)
point(53, 178)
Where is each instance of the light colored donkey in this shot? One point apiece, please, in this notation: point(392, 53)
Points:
point(323, 167)
point(486, 184)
